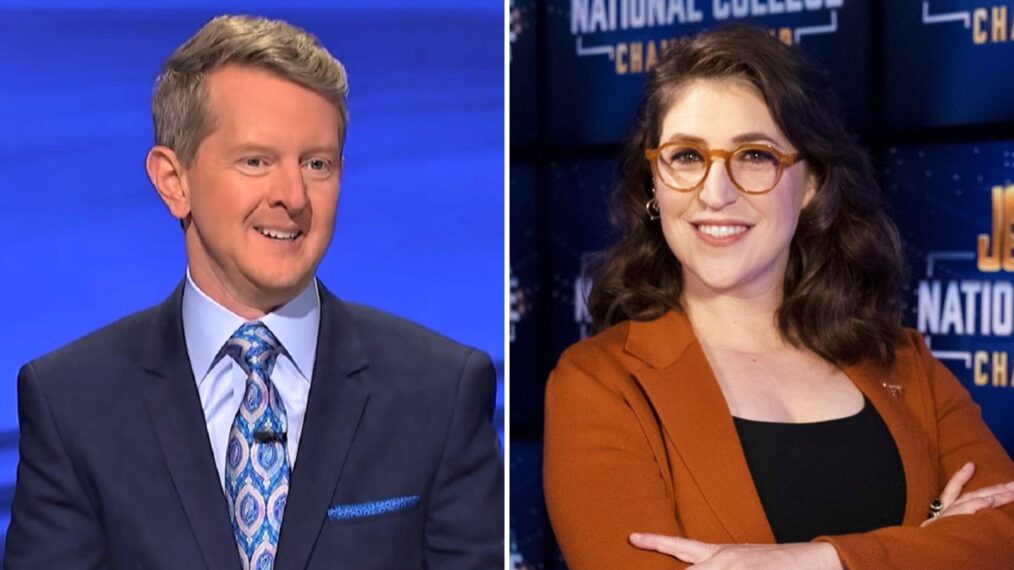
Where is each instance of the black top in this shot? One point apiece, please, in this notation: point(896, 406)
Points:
point(833, 477)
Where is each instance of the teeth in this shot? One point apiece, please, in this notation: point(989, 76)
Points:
point(277, 234)
point(721, 231)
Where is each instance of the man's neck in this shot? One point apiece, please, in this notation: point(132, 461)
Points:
point(215, 288)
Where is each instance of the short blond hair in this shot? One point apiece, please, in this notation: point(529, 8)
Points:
point(179, 105)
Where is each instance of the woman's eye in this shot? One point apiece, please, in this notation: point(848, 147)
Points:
point(757, 155)
point(685, 157)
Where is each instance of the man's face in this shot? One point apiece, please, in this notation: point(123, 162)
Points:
point(262, 189)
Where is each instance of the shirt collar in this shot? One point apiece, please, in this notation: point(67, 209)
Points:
point(207, 326)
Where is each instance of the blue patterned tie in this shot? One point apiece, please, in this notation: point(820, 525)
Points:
point(256, 465)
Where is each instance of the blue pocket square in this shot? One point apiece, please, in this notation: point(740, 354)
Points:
point(372, 508)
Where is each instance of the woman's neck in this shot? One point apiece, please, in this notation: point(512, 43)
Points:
point(744, 323)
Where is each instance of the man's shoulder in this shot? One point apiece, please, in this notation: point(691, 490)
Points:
point(111, 346)
point(386, 334)
point(409, 364)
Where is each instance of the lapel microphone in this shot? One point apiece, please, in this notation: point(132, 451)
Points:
point(266, 436)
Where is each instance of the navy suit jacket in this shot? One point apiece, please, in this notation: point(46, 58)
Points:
point(116, 469)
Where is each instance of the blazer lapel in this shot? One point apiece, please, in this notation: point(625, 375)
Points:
point(337, 400)
point(175, 410)
point(693, 412)
point(894, 399)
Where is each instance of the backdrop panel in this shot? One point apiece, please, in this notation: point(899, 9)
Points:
point(523, 30)
point(954, 204)
point(529, 311)
point(599, 51)
point(907, 73)
point(947, 62)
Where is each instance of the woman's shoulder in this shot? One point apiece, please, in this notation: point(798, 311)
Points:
point(912, 345)
point(594, 368)
point(599, 357)
point(608, 342)
point(912, 339)
point(628, 347)
point(916, 365)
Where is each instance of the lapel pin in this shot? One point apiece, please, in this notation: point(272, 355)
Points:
point(895, 389)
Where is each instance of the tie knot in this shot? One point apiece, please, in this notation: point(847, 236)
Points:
point(253, 347)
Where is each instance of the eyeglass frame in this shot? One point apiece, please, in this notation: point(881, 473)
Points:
point(785, 160)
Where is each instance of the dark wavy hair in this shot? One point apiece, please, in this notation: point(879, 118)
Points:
point(843, 283)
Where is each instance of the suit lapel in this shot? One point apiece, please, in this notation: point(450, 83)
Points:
point(336, 403)
point(894, 399)
point(694, 414)
point(175, 410)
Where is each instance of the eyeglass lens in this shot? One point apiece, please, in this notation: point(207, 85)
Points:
point(684, 167)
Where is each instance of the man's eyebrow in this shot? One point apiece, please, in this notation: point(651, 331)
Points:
point(251, 147)
point(328, 149)
point(240, 148)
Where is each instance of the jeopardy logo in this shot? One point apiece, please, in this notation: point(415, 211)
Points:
point(996, 250)
point(518, 305)
point(582, 318)
point(580, 287)
point(631, 34)
point(986, 24)
point(982, 308)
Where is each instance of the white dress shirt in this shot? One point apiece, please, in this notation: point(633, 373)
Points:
point(207, 326)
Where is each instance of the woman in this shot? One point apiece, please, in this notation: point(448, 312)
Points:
point(753, 400)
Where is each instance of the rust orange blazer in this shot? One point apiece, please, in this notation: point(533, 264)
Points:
point(639, 438)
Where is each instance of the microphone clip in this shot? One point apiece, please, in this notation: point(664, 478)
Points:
point(265, 436)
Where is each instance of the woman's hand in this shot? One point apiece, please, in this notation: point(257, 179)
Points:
point(706, 556)
point(957, 503)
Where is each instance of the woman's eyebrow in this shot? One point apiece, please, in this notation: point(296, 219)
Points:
point(738, 139)
point(756, 136)
point(686, 138)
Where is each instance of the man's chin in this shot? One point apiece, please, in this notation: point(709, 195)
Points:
point(271, 289)
point(281, 290)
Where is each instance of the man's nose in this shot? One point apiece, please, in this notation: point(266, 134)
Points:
point(288, 189)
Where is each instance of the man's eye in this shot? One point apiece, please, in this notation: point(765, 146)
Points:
point(253, 162)
point(319, 166)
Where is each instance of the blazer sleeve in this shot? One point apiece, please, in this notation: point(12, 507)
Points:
point(982, 540)
point(53, 524)
point(601, 478)
point(464, 525)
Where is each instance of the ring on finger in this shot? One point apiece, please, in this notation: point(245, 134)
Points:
point(935, 508)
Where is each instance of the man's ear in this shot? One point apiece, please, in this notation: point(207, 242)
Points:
point(166, 173)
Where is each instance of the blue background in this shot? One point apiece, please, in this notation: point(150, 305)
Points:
point(420, 220)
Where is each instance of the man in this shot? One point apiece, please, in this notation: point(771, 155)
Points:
point(253, 420)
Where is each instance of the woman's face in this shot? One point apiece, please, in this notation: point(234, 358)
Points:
point(730, 242)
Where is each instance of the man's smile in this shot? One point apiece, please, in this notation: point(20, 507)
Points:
point(279, 234)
